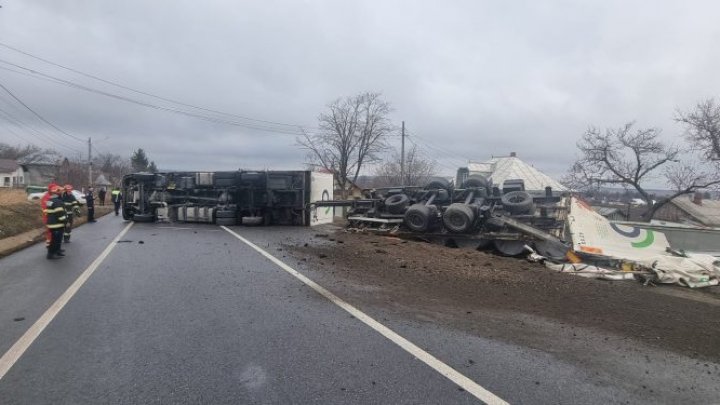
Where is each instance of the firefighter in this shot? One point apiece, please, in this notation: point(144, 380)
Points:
point(72, 207)
point(54, 213)
point(43, 205)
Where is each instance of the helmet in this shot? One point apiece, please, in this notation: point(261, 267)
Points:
point(51, 186)
point(68, 187)
point(56, 189)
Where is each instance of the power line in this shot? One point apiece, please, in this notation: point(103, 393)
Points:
point(422, 152)
point(112, 83)
point(40, 117)
point(43, 137)
point(68, 83)
point(440, 149)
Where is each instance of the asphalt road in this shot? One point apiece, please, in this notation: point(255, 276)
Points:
point(190, 314)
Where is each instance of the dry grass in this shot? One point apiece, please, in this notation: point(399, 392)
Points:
point(10, 196)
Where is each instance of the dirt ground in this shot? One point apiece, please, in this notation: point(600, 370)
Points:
point(17, 214)
point(499, 297)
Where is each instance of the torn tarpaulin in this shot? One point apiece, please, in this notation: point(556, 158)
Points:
point(692, 271)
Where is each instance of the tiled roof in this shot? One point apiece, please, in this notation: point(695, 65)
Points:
point(708, 213)
point(500, 169)
point(8, 165)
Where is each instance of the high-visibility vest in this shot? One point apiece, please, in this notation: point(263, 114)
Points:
point(115, 195)
point(55, 211)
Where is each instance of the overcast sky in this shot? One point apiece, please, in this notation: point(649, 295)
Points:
point(471, 79)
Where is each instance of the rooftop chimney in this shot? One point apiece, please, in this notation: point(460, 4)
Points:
point(697, 198)
point(513, 154)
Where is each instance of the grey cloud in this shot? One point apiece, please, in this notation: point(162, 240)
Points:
point(477, 78)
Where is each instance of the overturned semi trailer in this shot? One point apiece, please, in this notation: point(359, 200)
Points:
point(477, 213)
point(227, 197)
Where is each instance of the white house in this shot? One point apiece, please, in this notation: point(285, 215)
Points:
point(500, 169)
point(11, 173)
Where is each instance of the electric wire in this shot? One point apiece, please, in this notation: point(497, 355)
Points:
point(8, 117)
point(157, 107)
point(122, 86)
point(455, 156)
point(40, 117)
point(425, 154)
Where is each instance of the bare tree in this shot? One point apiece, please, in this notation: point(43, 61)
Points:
point(418, 171)
point(630, 157)
point(702, 125)
point(352, 134)
point(28, 154)
point(112, 165)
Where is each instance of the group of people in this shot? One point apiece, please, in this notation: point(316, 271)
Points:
point(60, 206)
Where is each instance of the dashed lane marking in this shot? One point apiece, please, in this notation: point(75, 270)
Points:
point(18, 349)
point(450, 373)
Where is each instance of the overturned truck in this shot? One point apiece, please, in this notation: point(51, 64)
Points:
point(476, 214)
point(227, 197)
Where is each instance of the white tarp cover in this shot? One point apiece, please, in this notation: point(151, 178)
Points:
point(590, 271)
point(321, 189)
point(693, 271)
point(592, 233)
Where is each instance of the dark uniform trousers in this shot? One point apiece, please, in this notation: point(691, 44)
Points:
point(55, 211)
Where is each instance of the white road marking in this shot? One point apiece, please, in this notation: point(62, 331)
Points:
point(18, 349)
point(450, 373)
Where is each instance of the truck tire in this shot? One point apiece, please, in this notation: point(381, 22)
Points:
point(517, 202)
point(226, 221)
point(510, 247)
point(418, 217)
point(397, 203)
point(438, 184)
point(476, 181)
point(143, 218)
point(458, 218)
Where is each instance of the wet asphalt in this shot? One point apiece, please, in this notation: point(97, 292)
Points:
point(188, 314)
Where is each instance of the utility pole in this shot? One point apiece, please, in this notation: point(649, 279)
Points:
point(90, 180)
point(402, 155)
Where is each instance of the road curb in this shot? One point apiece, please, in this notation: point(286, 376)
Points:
point(19, 242)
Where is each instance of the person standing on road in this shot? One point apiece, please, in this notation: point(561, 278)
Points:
point(71, 207)
point(90, 202)
point(116, 197)
point(54, 212)
point(101, 196)
point(43, 205)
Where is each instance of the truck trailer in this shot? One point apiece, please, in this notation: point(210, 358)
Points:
point(241, 197)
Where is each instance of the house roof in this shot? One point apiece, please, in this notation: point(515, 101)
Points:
point(708, 213)
point(605, 211)
point(505, 168)
point(8, 165)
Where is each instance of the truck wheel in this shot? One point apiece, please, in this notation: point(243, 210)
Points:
point(397, 203)
point(458, 218)
point(143, 218)
point(517, 202)
point(438, 184)
point(510, 247)
point(417, 217)
point(475, 181)
point(226, 221)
